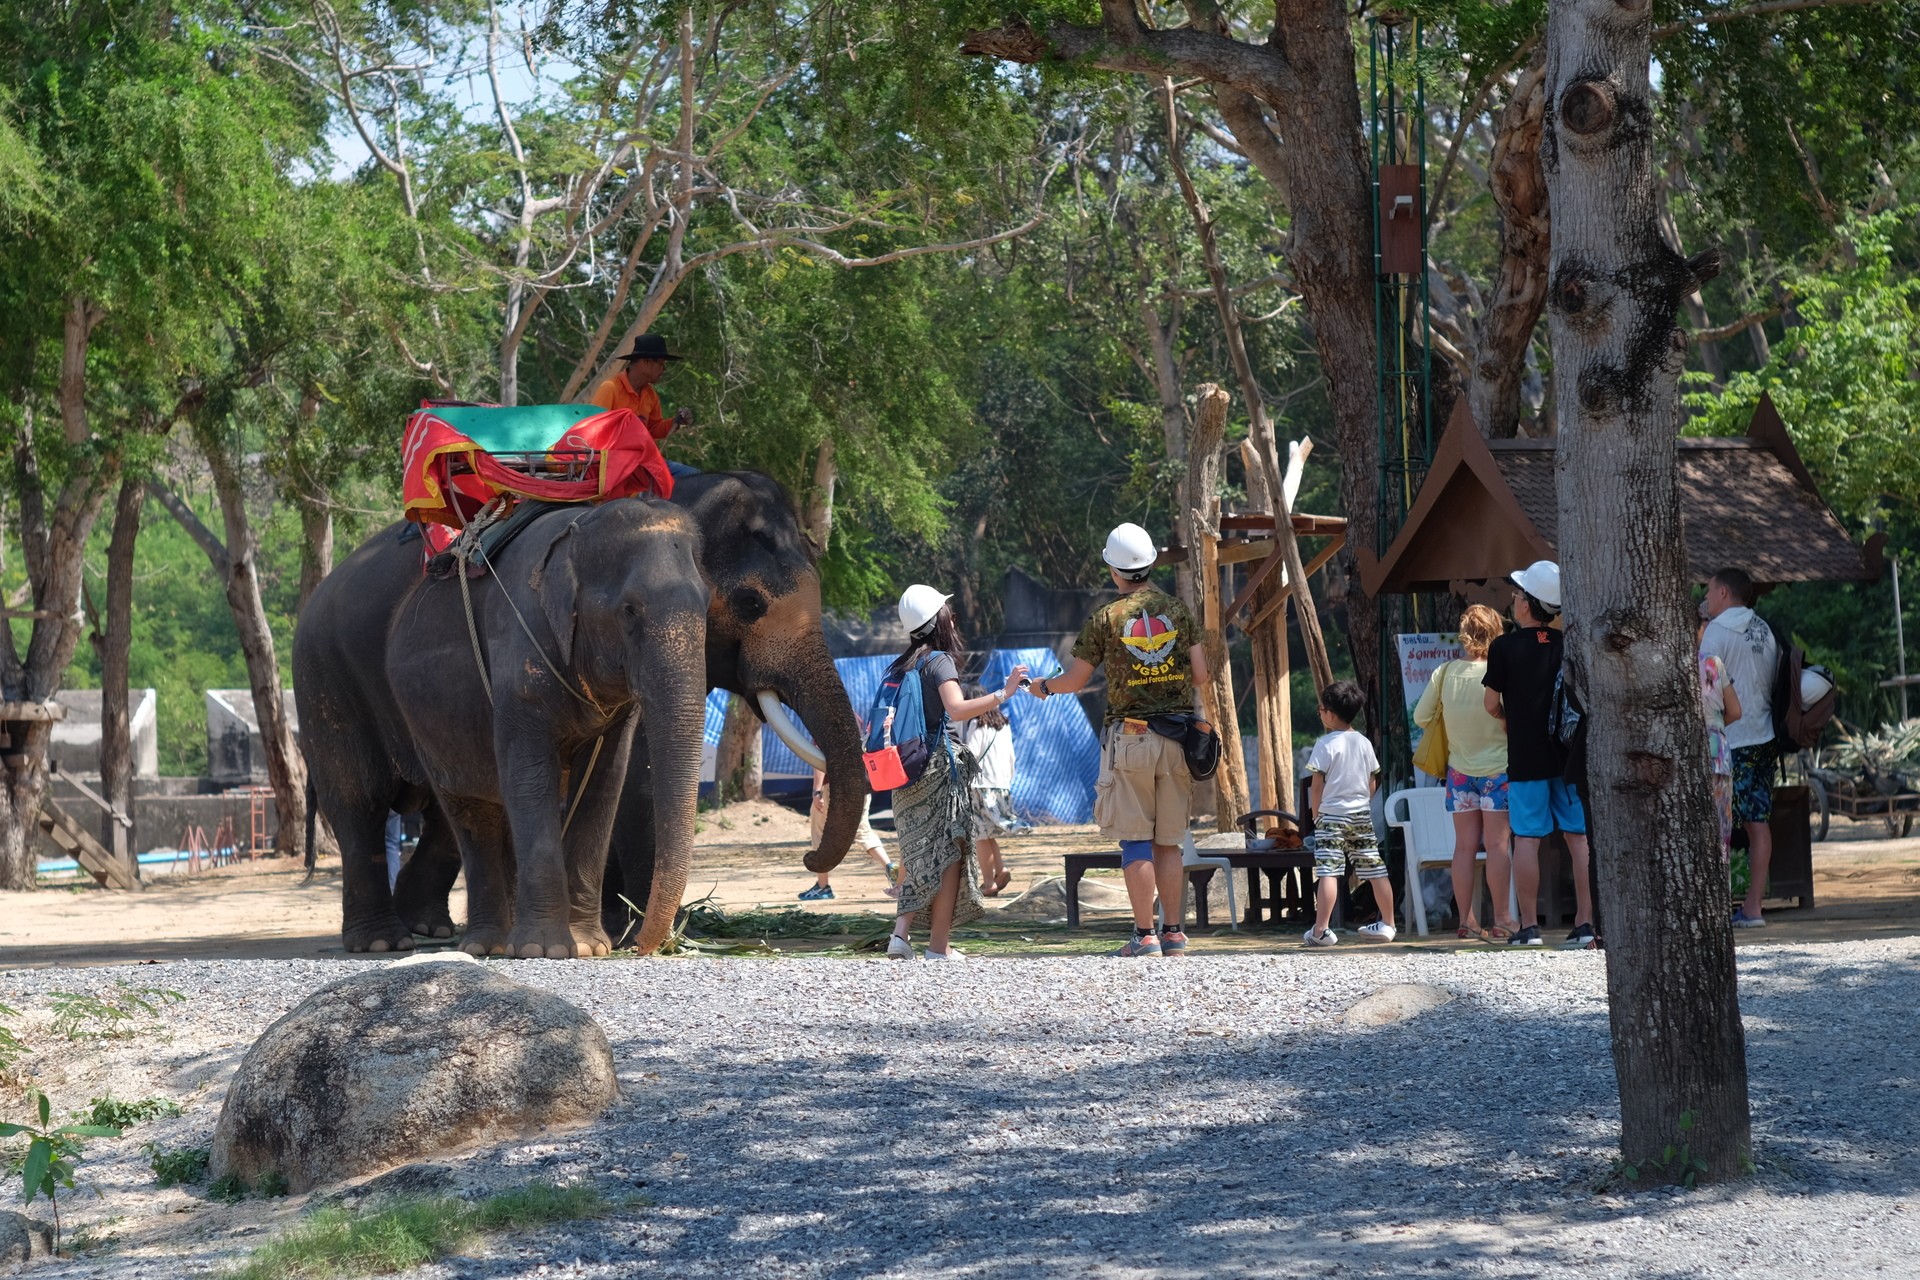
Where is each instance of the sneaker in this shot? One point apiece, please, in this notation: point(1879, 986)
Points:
point(898, 948)
point(951, 953)
point(1582, 934)
point(819, 893)
point(1173, 942)
point(1378, 931)
point(1326, 939)
point(1741, 920)
point(1527, 937)
point(1141, 945)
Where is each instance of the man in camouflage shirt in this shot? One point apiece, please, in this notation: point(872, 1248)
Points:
point(1150, 648)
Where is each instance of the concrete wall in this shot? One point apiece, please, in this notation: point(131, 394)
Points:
point(76, 740)
point(234, 755)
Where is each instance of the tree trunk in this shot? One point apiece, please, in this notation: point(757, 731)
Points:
point(1205, 465)
point(1520, 284)
point(819, 515)
point(1678, 1049)
point(237, 564)
point(116, 649)
point(316, 516)
point(736, 762)
point(54, 546)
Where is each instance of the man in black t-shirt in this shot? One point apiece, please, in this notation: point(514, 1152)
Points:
point(1521, 667)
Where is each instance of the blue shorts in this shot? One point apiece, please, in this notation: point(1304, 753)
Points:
point(1536, 808)
point(1132, 851)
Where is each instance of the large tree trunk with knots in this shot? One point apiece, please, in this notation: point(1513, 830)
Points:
point(1298, 86)
point(1520, 283)
point(1679, 1053)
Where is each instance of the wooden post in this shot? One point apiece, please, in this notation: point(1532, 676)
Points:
point(1205, 459)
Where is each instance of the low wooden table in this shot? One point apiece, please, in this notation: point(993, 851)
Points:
point(1286, 894)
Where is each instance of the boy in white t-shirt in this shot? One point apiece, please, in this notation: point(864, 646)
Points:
point(1343, 768)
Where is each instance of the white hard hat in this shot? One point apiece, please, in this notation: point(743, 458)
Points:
point(1541, 580)
point(1815, 684)
point(1130, 549)
point(918, 605)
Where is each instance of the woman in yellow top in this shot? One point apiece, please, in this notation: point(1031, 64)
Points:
point(1476, 769)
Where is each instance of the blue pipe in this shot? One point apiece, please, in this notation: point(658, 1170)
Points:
point(156, 858)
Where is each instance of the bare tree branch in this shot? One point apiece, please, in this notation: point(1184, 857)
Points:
point(1720, 333)
point(207, 540)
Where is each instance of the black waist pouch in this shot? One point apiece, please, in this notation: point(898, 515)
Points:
point(1198, 742)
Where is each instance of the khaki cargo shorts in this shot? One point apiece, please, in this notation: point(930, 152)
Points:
point(1144, 791)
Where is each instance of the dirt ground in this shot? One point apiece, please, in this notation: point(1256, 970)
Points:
point(747, 857)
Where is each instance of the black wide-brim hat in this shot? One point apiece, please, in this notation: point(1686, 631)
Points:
point(649, 346)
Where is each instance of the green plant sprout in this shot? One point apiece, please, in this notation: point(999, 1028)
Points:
point(110, 1015)
point(47, 1164)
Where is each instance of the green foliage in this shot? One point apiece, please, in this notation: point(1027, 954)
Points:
point(1843, 377)
point(1676, 1162)
point(11, 1049)
point(46, 1166)
point(411, 1233)
point(112, 1015)
point(179, 1166)
point(233, 1188)
point(114, 1113)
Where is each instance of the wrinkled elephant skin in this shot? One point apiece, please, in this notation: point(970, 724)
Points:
point(592, 620)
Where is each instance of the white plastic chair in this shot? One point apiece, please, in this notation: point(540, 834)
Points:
point(1421, 815)
point(1190, 856)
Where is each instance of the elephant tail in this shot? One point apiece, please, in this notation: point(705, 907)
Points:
point(313, 820)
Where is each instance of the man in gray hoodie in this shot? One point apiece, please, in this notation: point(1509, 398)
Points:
point(1744, 643)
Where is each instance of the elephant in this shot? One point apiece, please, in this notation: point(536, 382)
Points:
point(592, 621)
point(765, 643)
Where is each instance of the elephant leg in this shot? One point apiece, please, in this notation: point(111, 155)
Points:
point(629, 876)
point(426, 879)
point(368, 921)
point(587, 837)
point(542, 899)
point(480, 830)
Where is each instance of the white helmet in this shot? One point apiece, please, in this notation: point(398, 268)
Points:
point(1541, 580)
point(1815, 684)
point(1130, 549)
point(919, 604)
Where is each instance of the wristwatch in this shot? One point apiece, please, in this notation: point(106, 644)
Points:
point(1046, 689)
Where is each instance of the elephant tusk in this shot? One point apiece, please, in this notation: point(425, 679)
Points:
point(777, 719)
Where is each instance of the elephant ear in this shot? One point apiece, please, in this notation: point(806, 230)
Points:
point(558, 587)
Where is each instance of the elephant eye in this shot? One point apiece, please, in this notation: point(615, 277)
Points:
point(747, 604)
point(631, 609)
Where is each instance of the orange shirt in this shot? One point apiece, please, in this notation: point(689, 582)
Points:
point(617, 393)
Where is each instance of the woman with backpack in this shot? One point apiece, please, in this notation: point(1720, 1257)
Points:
point(917, 715)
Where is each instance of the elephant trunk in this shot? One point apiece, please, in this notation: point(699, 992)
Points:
point(821, 700)
point(672, 709)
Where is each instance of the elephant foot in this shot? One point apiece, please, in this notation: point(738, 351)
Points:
point(430, 927)
point(389, 935)
point(484, 941)
point(591, 940)
point(539, 944)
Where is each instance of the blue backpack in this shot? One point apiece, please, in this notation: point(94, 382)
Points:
point(903, 695)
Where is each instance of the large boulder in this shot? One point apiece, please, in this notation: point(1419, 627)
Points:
point(23, 1239)
point(406, 1061)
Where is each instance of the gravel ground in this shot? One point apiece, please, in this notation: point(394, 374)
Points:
point(1091, 1118)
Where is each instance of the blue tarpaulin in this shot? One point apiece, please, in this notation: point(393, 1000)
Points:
point(1056, 755)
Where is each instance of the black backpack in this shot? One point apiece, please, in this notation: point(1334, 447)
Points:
point(1798, 724)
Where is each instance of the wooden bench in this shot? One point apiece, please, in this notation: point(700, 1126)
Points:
point(1288, 890)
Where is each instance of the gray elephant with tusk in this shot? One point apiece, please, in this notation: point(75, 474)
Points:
point(592, 622)
point(764, 642)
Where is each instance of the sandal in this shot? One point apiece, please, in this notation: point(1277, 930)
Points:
point(1497, 934)
point(1002, 880)
point(1471, 935)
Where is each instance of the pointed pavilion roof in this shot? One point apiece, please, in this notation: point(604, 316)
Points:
point(1487, 508)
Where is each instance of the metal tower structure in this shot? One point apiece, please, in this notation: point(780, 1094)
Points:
point(1402, 328)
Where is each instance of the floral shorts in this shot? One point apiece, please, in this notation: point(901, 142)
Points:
point(1466, 793)
point(1754, 769)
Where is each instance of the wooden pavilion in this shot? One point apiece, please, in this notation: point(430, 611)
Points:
point(1488, 507)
